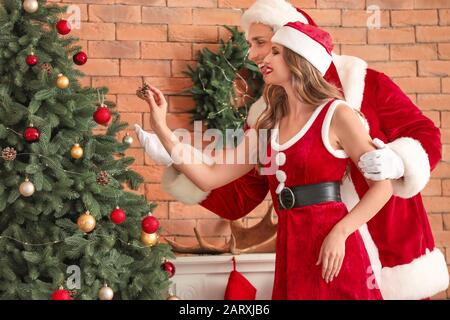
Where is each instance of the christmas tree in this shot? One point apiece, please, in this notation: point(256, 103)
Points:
point(68, 228)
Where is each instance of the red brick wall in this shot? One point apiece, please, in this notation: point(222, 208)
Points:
point(155, 40)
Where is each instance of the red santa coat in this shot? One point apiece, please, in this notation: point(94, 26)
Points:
point(399, 240)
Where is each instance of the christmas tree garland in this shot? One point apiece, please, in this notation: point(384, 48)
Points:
point(215, 79)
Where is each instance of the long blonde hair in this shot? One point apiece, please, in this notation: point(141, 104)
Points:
point(308, 84)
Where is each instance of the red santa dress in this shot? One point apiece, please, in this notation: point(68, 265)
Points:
point(308, 158)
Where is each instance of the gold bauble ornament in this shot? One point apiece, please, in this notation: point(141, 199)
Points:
point(173, 297)
point(86, 222)
point(26, 188)
point(149, 239)
point(30, 6)
point(62, 81)
point(76, 152)
point(105, 293)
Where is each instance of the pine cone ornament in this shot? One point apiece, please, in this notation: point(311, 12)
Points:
point(142, 91)
point(47, 67)
point(103, 178)
point(9, 154)
point(73, 293)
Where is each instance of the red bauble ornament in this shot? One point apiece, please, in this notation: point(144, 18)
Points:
point(61, 294)
point(169, 267)
point(31, 134)
point(80, 58)
point(31, 60)
point(102, 115)
point(63, 27)
point(118, 216)
point(150, 224)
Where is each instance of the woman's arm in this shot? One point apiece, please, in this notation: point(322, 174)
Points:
point(348, 133)
point(186, 160)
point(355, 140)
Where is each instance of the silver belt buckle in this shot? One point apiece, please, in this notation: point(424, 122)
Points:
point(289, 197)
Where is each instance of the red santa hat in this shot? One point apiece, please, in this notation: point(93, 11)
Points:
point(274, 13)
point(312, 43)
point(277, 13)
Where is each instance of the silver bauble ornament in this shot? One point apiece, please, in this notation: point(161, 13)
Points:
point(30, 6)
point(105, 293)
point(128, 139)
point(26, 188)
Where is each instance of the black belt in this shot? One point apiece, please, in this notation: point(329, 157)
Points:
point(308, 194)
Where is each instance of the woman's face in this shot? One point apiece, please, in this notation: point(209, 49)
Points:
point(275, 69)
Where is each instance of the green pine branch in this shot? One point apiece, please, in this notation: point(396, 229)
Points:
point(39, 236)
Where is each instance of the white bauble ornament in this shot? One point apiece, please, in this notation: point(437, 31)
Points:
point(30, 6)
point(26, 188)
point(105, 293)
point(128, 139)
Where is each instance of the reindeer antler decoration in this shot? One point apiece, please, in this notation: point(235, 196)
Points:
point(257, 239)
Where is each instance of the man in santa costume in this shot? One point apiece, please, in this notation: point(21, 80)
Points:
point(405, 261)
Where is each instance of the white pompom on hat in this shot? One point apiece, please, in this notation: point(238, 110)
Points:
point(312, 43)
point(274, 13)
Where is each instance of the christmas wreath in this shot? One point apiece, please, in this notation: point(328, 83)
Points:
point(225, 84)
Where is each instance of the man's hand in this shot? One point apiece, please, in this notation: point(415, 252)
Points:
point(381, 164)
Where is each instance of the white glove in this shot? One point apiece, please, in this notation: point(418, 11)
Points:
point(153, 146)
point(382, 163)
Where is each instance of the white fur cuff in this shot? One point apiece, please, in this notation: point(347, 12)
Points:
point(255, 111)
point(422, 278)
point(417, 167)
point(181, 187)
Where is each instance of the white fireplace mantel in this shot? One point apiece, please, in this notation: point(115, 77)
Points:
point(205, 277)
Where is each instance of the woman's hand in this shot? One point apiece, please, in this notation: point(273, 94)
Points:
point(158, 108)
point(332, 254)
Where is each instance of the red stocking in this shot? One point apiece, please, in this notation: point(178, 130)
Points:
point(238, 287)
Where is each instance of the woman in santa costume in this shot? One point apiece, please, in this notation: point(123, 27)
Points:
point(320, 253)
point(399, 240)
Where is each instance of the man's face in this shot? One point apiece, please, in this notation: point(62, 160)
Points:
point(259, 38)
